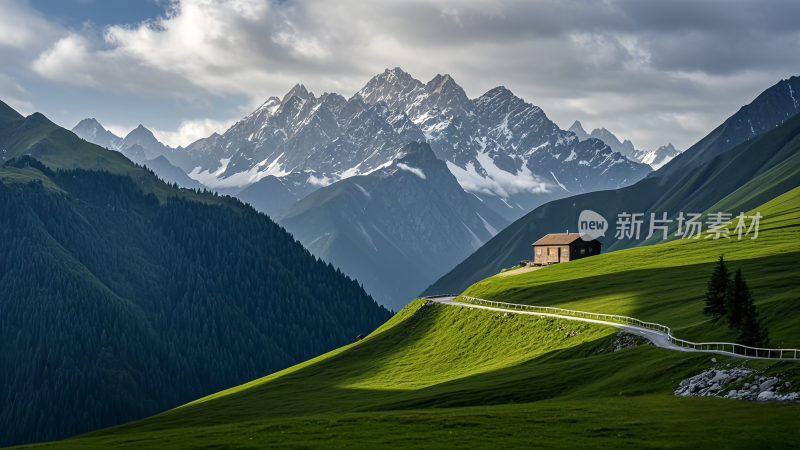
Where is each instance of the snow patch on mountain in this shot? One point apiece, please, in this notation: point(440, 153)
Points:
point(206, 176)
point(488, 227)
point(364, 191)
point(413, 170)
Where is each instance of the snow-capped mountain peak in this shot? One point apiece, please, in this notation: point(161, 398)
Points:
point(496, 145)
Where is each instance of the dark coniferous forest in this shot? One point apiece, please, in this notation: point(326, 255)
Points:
point(114, 307)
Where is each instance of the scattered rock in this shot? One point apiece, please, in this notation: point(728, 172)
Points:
point(713, 359)
point(625, 339)
point(766, 395)
point(768, 384)
point(712, 383)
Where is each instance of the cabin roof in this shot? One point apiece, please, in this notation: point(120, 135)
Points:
point(560, 239)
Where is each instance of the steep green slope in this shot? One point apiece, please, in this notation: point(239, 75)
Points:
point(116, 306)
point(769, 161)
point(460, 375)
point(666, 282)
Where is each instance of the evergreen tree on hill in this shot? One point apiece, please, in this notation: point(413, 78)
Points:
point(718, 286)
point(742, 314)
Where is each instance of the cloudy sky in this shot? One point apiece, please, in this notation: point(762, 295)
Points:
point(650, 71)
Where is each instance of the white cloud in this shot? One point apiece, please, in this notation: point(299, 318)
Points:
point(324, 181)
point(189, 131)
point(192, 130)
point(414, 170)
point(23, 28)
point(653, 72)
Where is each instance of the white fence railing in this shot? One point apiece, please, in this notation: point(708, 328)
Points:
point(736, 349)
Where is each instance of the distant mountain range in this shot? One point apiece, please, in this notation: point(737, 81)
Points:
point(494, 158)
point(654, 158)
point(396, 229)
point(756, 150)
point(501, 149)
point(141, 147)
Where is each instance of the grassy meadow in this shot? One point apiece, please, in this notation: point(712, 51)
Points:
point(665, 283)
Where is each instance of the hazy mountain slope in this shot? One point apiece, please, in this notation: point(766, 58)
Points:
point(141, 147)
point(654, 158)
point(92, 131)
point(397, 229)
point(694, 191)
point(769, 110)
point(268, 195)
point(171, 173)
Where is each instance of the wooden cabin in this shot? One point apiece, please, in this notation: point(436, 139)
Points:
point(562, 247)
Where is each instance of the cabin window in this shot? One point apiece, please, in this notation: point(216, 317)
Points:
point(538, 252)
point(583, 251)
point(564, 252)
point(590, 249)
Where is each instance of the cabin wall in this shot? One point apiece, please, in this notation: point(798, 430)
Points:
point(553, 254)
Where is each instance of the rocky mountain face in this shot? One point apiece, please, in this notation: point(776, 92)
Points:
point(500, 148)
point(654, 158)
point(396, 229)
point(92, 131)
point(504, 151)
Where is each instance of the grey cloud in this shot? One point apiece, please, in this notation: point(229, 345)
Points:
point(658, 70)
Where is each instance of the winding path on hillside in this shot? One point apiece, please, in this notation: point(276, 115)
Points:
point(658, 338)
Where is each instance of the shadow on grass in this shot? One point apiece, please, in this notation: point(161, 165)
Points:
point(573, 372)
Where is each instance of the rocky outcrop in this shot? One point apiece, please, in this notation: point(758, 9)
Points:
point(739, 383)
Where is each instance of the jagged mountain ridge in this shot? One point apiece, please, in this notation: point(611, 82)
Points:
point(499, 146)
point(654, 158)
point(503, 150)
point(140, 146)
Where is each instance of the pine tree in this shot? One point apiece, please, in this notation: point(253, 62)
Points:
point(718, 286)
point(742, 314)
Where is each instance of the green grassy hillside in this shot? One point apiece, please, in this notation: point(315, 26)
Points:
point(665, 283)
point(460, 376)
